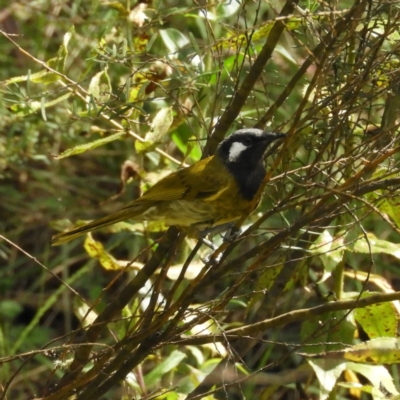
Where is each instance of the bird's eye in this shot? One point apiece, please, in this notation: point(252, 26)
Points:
point(247, 141)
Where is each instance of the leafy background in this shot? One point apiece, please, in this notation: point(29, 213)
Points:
point(102, 99)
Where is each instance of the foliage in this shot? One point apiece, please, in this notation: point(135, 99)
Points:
point(101, 100)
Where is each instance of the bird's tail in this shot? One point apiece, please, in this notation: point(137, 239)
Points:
point(121, 215)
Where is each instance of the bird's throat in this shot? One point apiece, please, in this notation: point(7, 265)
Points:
point(248, 180)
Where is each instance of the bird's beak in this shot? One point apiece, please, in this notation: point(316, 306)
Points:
point(277, 135)
point(271, 137)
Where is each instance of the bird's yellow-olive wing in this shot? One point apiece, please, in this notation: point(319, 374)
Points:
point(202, 180)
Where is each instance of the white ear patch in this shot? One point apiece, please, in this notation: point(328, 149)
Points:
point(235, 151)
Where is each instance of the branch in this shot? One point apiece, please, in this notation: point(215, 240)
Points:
point(240, 97)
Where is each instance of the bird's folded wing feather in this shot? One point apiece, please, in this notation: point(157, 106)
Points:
point(204, 180)
point(199, 181)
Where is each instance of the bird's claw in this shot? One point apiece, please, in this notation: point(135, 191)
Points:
point(232, 234)
point(212, 258)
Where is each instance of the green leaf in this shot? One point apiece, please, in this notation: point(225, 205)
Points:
point(377, 320)
point(100, 86)
point(63, 51)
point(173, 39)
point(85, 315)
point(96, 250)
point(329, 249)
point(391, 207)
point(264, 282)
point(187, 145)
point(57, 63)
point(161, 124)
point(258, 33)
point(327, 332)
point(43, 76)
point(9, 309)
point(159, 128)
point(383, 350)
point(23, 109)
point(228, 8)
point(171, 362)
point(379, 377)
point(373, 245)
point(89, 146)
point(327, 372)
point(123, 12)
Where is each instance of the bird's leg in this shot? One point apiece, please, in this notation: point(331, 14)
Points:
point(208, 243)
point(218, 228)
point(201, 237)
point(216, 251)
point(232, 234)
point(209, 258)
point(231, 231)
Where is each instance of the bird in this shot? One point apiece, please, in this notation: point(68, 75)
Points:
point(215, 191)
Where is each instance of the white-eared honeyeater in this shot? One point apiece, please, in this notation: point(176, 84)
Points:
point(215, 191)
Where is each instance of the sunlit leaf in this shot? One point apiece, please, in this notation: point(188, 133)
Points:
point(379, 376)
point(167, 365)
point(100, 86)
point(377, 320)
point(173, 39)
point(23, 109)
point(96, 250)
point(329, 249)
point(116, 5)
point(383, 350)
point(258, 33)
point(227, 8)
point(158, 129)
point(85, 315)
point(82, 148)
point(371, 244)
point(56, 63)
point(327, 372)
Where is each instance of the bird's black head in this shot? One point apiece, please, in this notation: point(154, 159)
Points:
point(242, 153)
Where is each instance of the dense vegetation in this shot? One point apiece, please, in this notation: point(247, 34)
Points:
point(102, 99)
